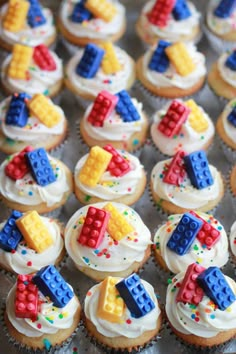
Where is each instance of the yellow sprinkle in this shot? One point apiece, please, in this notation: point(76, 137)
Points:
point(199, 260)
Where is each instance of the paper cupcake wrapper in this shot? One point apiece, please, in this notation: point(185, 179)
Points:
point(229, 153)
point(217, 44)
point(57, 152)
point(70, 48)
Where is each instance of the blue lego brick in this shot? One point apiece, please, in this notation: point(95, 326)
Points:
point(90, 61)
point(35, 16)
point(51, 284)
point(10, 236)
point(135, 296)
point(159, 61)
point(181, 10)
point(40, 167)
point(225, 8)
point(216, 287)
point(80, 13)
point(125, 107)
point(198, 170)
point(231, 61)
point(184, 234)
point(232, 117)
point(18, 112)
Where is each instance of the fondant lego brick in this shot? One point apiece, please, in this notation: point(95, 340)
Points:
point(125, 107)
point(180, 58)
point(118, 166)
point(101, 9)
point(110, 63)
point(159, 61)
point(90, 61)
point(225, 8)
point(16, 14)
point(196, 117)
point(18, 166)
point(175, 172)
point(43, 58)
point(103, 105)
point(35, 16)
point(181, 10)
point(26, 298)
point(231, 61)
point(18, 112)
point(232, 117)
point(160, 13)
point(80, 13)
point(20, 61)
point(10, 235)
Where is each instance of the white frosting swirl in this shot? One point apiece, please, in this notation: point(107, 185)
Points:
point(114, 128)
point(226, 73)
point(50, 318)
point(204, 320)
point(111, 187)
point(101, 81)
point(232, 238)
point(187, 138)
point(185, 195)
point(27, 192)
point(111, 255)
point(95, 27)
point(25, 260)
point(174, 29)
point(27, 35)
point(229, 128)
point(170, 78)
point(40, 81)
point(217, 24)
point(34, 130)
point(217, 255)
point(134, 329)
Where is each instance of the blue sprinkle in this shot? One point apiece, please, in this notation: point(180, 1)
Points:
point(47, 343)
point(23, 252)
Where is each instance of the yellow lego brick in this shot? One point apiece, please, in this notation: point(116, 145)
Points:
point(34, 231)
point(20, 62)
point(117, 226)
point(15, 17)
point(196, 118)
point(110, 63)
point(180, 58)
point(94, 167)
point(41, 107)
point(101, 9)
point(110, 304)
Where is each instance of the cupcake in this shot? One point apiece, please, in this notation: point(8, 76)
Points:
point(94, 69)
point(226, 129)
point(109, 174)
point(232, 241)
point(206, 243)
point(173, 21)
point(42, 311)
point(201, 306)
point(186, 182)
point(181, 126)
point(33, 180)
point(80, 22)
point(222, 76)
point(122, 314)
point(30, 120)
point(117, 244)
point(26, 23)
point(32, 70)
point(118, 120)
point(172, 70)
point(29, 251)
point(220, 27)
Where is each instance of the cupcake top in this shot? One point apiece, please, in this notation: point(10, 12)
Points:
point(42, 70)
point(195, 131)
point(216, 254)
point(173, 28)
point(172, 75)
point(228, 121)
point(36, 127)
point(127, 325)
point(38, 26)
point(25, 259)
point(220, 21)
point(91, 26)
point(204, 319)
point(232, 238)
point(227, 68)
point(113, 182)
point(114, 80)
point(26, 190)
point(49, 317)
point(186, 193)
point(112, 254)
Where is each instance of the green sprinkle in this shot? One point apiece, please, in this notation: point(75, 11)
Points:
point(87, 198)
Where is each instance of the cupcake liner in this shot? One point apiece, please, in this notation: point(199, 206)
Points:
point(219, 45)
point(57, 152)
point(82, 102)
point(229, 153)
point(70, 48)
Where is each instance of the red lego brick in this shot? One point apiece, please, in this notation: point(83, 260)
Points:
point(94, 227)
point(160, 12)
point(18, 166)
point(175, 172)
point(26, 300)
point(118, 166)
point(207, 235)
point(174, 118)
point(43, 58)
point(190, 291)
point(103, 105)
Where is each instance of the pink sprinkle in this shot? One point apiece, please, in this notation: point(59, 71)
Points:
point(128, 321)
point(29, 264)
point(108, 255)
point(39, 325)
